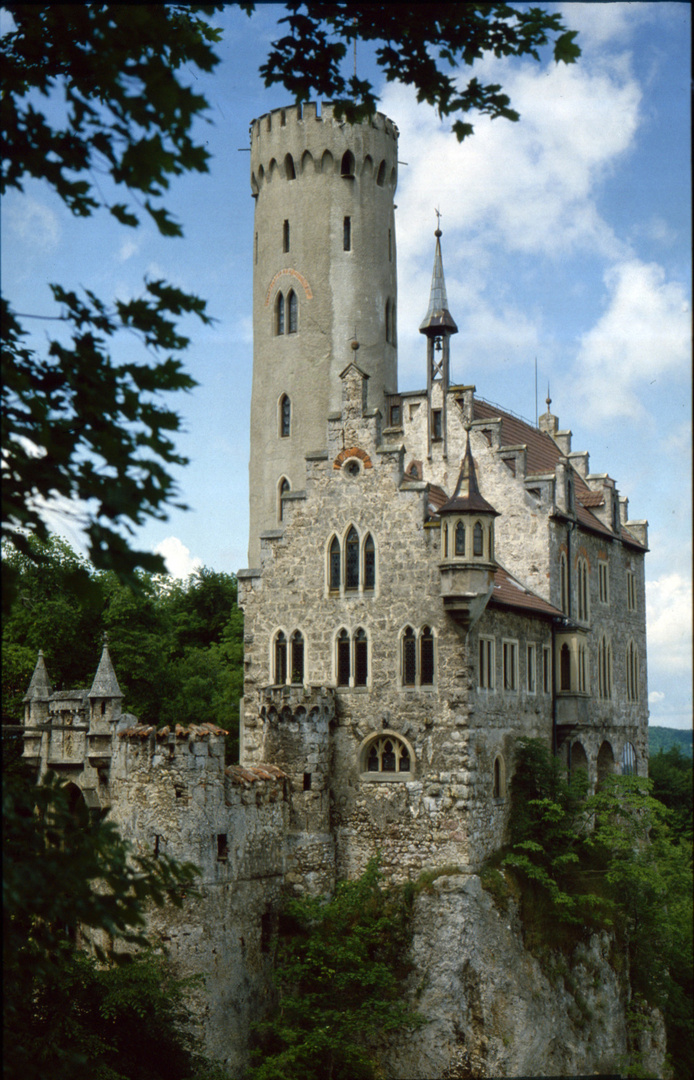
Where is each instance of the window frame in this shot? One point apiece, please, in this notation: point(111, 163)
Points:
point(510, 649)
point(486, 670)
point(582, 589)
point(531, 652)
point(412, 639)
point(631, 591)
point(546, 669)
point(285, 416)
point(403, 749)
point(603, 581)
point(292, 312)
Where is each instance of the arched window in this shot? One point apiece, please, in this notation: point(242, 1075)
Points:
point(289, 170)
point(285, 236)
point(477, 539)
point(604, 669)
point(352, 560)
point(297, 665)
point(409, 657)
point(280, 659)
point(565, 668)
point(293, 305)
point(583, 592)
point(279, 314)
point(347, 165)
point(605, 763)
point(628, 760)
point(381, 177)
point(499, 783)
point(285, 416)
point(578, 759)
point(343, 658)
point(284, 489)
point(563, 585)
point(335, 565)
point(632, 672)
point(582, 669)
point(369, 563)
point(386, 754)
point(426, 657)
point(361, 658)
point(460, 539)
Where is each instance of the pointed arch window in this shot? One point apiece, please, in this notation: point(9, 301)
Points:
point(289, 170)
point(409, 657)
point(293, 305)
point(632, 672)
point(381, 177)
point(426, 657)
point(347, 164)
point(280, 659)
point(369, 563)
point(583, 589)
point(352, 560)
point(386, 754)
point(297, 665)
point(279, 314)
point(335, 565)
point(477, 540)
point(285, 416)
point(361, 658)
point(563, 584)
point(460, 539)
point(284, 489)
point(565, 668)
point(285, 236)
point(343, 658)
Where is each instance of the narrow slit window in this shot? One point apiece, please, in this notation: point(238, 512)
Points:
point(297, 657)
point(222, 847)
point(437, 424)
point(530, 669)
point(347, 166)
point(280, 659)
point(293, 304)
point(347, 234)
point(343, 658)
point(409, 658)
point(426, 657)
point(285, 417)
point(565, 668)
point(352, 560)
point(390, 245)
point(289, 170)
point(369, 563)
point(307, 781)
point(285, 236)
point(477, 540)
point(284, 490)
point(279, 314)
point(361, 659)
point(335, 565)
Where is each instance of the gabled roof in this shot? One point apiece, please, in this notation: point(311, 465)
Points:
point(542, 457)
point(508, 592)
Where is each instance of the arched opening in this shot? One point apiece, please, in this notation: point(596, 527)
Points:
point(460, 539)
point(426, 657)
point(578, 759)
point(280, 659)
point(343, 658)
point(284, 488)
point(327, 163)
point(387, 755)
point(605, 763)
point(477, 540)
point(361, 658)
point(565, 668)
point(409, 657)
point(352, 560)
point(499, 779)
point(369, 563)
point(297, 664)
point(306, 161)
point(289, 170)
point(347, 164)
point(279, 314)
point(293, 305)
point(334, 567)
point(285, 416)
point(381, 177)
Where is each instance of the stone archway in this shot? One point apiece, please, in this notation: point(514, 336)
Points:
point(606, 763)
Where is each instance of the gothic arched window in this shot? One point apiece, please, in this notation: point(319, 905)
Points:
point(361, 658)
point(279, 314)
point(460, 539)
point(409, 657)
point(565, 668)
point(477, 539)
point(297, 665)
point(426, 657)
point(343, 658)
point(293, 305)
point(387, 754)
point(335, 562)
point(369, 563)
point(280, 659)
point(347, 165)
point(289, 170)
point(352, 560)
point(284, 489)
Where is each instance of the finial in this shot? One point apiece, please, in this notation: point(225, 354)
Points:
point(354, 346)
point(548, 398)
point(438, 232)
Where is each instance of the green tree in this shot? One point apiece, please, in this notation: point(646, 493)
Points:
point(672, 773)
point(67, 872)
point(339, 968)
point(78, 424)
point(416, 43)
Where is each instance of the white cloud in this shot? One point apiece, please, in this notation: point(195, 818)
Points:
point(127, 249)
point(669, 623)
point(655, 697)
point(179, 561)
point(601, 23)
point(644, 334)
point(34, 223)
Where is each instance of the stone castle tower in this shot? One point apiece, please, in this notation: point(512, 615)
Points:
point(324, 272)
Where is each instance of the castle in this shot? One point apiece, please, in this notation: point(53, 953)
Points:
point(431, 578)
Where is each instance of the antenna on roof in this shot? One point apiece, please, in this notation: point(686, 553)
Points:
point(535, 391)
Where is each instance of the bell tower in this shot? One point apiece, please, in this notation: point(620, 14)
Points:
point(324, 273)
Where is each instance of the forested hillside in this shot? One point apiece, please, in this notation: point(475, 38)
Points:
point(662, 738)
point(177, 647)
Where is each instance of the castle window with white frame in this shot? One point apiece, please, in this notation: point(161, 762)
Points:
point(417, 657)
point(632, 672)
point(546, 669)
point(285, 416)
point(386, 756)
point(604, 669)
point(631, 590)
point(583, 589)
point(531, 669)
point(487, 664)
point(604, 581)
point(510, 664)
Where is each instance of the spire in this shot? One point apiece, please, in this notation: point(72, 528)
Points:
point(40, 688)
point(105, 683)
point(467, 493)
point(438, 319)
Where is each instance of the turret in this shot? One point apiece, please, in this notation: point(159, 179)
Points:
point(324, 272)
point(438, 325)
point(467, 543)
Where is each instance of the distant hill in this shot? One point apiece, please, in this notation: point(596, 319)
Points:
point(662, 738)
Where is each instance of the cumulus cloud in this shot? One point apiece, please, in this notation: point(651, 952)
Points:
point(655, 697)
point(644, 333)
point(669, 623)
point(179, 561)
point(34, 223)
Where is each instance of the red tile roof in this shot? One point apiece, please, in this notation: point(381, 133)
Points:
point(592, 498)
point(245, 775)
point(508, 592)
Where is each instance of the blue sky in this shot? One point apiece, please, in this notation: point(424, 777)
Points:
point(566, 239)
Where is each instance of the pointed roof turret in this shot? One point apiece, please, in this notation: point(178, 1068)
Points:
point(40, 688)
point(438, 319)
point(105, 683)
point(466, 496)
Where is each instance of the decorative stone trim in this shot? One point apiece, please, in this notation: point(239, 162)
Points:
point(288, 272)
point(352, 452)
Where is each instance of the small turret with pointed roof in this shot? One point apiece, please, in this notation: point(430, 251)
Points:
point(438, 325)
point(105, 683)
point(467, 498)
point(38, 694)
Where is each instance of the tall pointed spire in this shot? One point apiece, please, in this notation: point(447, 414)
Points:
point(105, 683)
point(40, 688)
point(438, 319)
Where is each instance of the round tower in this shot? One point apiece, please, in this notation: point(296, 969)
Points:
point(324, 272)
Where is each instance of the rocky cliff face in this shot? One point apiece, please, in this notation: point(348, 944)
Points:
point(493, 1011)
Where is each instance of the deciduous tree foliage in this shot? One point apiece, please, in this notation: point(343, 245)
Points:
point(416, 43)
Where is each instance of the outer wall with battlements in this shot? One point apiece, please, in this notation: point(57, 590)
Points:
point(432, 579)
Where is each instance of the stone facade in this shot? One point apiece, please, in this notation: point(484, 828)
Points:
point(432, 579)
